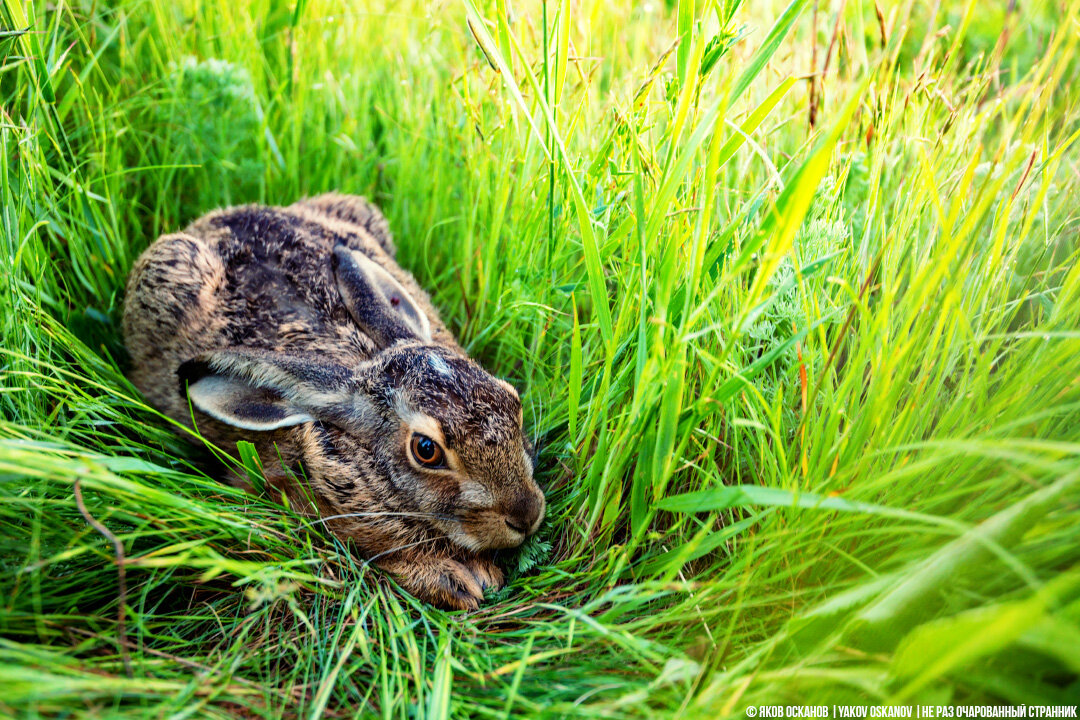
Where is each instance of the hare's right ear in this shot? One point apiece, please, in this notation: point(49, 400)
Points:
point(262, 390)
point(378, 303)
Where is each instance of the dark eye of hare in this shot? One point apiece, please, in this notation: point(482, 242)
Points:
point(426, 451)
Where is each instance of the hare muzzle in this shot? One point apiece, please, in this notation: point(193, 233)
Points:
point(525, 513)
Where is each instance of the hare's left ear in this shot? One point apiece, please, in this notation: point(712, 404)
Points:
point(261, 390)
point(378, 303)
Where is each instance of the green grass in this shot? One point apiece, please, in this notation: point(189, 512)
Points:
point(808, 397)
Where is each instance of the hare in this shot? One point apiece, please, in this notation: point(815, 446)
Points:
point(295, 328)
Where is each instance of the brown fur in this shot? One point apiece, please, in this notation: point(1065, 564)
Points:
point(295, 328)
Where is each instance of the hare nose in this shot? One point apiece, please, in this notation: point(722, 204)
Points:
point(523, 515)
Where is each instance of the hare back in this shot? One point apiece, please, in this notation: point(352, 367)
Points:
point(255, 277)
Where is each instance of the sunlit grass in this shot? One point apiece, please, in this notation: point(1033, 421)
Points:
point(808, 398)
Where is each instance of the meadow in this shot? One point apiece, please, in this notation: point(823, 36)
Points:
point(791, 294)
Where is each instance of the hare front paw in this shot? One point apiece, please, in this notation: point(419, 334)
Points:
point(447, 583)
point(486, 572)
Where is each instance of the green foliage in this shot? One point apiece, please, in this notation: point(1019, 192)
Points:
point(798, 289)
point(218, 127)
point(807, 397)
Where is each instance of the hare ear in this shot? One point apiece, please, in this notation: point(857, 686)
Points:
point(258, 390)
point(378, 303)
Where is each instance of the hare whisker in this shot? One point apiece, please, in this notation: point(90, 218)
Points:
point(436, 516)
point(373, 558)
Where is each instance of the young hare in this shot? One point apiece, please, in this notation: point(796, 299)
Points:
point(294, 328)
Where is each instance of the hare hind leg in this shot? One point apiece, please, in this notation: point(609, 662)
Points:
point(355, 210)
point(170, 314)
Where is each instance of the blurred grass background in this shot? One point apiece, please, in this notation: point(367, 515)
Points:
point(791, 292)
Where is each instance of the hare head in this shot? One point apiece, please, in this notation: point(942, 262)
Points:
point(417, 430)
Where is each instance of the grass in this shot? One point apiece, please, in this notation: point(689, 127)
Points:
point(808, 395)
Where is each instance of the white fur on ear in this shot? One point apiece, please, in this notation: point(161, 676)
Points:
point(374, 296)
point(242, 405)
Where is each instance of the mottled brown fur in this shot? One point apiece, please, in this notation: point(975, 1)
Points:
point(295, 328)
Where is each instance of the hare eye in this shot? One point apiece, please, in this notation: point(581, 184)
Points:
point(426, 451)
